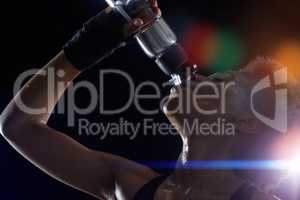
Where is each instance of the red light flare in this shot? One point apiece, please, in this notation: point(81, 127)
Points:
point(199, 42)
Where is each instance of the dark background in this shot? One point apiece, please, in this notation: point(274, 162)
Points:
point(35, 31)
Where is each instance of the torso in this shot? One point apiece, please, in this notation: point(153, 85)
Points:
point(170, 191)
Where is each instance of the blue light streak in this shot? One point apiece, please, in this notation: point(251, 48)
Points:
point(222, 165)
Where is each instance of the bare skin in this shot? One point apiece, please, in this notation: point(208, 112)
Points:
point(100, 174)
point(97, 173)
point(218, 184)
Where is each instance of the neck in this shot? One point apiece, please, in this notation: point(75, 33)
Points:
point(207, 147)
point(221, 183)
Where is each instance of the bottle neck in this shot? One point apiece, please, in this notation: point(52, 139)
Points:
point(172, 60)
point(187, 71)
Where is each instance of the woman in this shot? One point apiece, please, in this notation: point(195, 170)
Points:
point(106, 176)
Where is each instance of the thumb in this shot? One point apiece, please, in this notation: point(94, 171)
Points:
point(133, 26)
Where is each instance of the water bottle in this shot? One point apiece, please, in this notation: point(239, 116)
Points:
point(155, 37)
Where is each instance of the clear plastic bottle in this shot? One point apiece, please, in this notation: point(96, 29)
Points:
point(155, 37)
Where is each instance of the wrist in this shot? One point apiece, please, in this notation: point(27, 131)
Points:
point(98, 38)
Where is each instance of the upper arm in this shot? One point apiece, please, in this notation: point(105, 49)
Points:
point(63, 158)
point(96, 173)
point(99, 174)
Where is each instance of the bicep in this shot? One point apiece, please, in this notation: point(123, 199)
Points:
point(99, 174)
point(64, 159)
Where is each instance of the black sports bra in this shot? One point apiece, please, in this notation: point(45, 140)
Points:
point(147, 192)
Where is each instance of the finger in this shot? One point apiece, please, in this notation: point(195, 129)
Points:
point(153, 3)
point(155, 7)
point(137, 22)
point(134, 25)
point(157, 11)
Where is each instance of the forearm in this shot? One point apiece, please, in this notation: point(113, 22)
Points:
point(39, 93)
point(54, 152)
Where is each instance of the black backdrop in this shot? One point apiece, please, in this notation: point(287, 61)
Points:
point(36, 30)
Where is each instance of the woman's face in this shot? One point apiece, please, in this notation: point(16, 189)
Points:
point(219, 107)
point(219, 104)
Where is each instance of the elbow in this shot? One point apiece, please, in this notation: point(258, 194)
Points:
point(9, 127)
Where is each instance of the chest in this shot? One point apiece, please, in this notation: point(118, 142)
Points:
point(168, 191)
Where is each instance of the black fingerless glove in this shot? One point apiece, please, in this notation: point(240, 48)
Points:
point(98, 38)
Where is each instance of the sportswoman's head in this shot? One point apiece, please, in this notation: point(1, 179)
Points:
point(251, 113)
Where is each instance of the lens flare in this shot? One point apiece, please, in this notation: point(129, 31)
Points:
point(200, 43)
point(216, 50)
point(229, 52)
point(287, 148)
point(294, 165)
point(288, 54)
point(221, 165)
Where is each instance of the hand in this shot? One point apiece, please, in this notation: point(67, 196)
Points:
point(155, 7)
point(138, 22)
point(101, 36)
